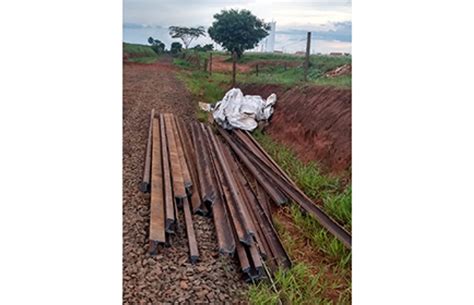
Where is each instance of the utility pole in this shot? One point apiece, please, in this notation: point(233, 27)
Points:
point(234, 62)
point(306, 62)
point(210, 63)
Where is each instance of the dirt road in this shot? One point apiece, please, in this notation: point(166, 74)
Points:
point(167, 277)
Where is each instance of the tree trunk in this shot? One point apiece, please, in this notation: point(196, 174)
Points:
point(234, 63)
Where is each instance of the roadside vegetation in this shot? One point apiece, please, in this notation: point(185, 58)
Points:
point(309, 281)
point(139, 53)
point(299, 285)
point(211, 88)
point(281, 69)
point(204, 89)
point(288, 69)
point(326, 189)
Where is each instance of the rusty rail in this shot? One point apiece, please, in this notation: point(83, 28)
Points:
point(145, 184)
point(193, 248)
point(157, 211)
point(168, 189)
point(291, 191)
point(176, 171)
point(234, 180)
point(194, 191)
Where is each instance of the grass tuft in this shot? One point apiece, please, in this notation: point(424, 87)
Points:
point(206, 89)
point(339, 205)
point(295, 286)
point(321, 239)
point(182, 63)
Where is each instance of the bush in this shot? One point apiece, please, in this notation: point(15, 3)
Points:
point(156, 45)
point(205, 48)
point(176, 48)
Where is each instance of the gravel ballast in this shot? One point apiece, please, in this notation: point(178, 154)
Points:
point(169, 276)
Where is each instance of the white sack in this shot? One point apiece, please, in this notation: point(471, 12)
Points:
point(238, 111)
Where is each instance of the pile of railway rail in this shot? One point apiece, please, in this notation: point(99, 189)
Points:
point(226, 175)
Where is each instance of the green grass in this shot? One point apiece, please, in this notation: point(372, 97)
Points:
point(319, 66)
point(344, 81)
point(330, 61)
point(295, 75)
point(321, 239)
point(138, 50)
point(181, 63)
point(143, 60)
point(139, 53)
point(291, 76)
point(277, 75)
point(254, 56)
point(325, 63)
point(339, 205)
point(337, 202)
point(318, 186)
point(206, 89)
point(296, 286)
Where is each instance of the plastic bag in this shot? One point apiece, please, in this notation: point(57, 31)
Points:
point(244, 112)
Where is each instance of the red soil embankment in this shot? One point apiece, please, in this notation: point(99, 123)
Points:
point(315, 121)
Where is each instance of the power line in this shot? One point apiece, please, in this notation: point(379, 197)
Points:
point(292, 43)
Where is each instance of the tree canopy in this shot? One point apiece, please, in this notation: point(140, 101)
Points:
point(176, 48)
point(187, 35)
point(156, 45)
point(237, 30)
point(204, 48)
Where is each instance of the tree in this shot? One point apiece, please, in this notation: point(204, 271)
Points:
point(205, 48)
point(156, 45)
point(176, 48)
point(186, 34)
point(208, 47)
point(237, 30)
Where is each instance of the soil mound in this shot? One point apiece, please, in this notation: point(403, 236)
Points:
point(315, 121)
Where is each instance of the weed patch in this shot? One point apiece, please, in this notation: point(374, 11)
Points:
point(296, 286)
point(207, 89)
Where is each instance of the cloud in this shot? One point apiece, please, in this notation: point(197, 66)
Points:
point(127, 25)
point(328, 20)
point(201, 12)
point(340, 31)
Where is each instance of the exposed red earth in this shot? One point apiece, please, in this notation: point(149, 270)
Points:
point(315, 121)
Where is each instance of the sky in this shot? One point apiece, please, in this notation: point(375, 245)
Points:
point(329, 21)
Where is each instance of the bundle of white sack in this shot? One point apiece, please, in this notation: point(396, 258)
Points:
point(244, 112)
